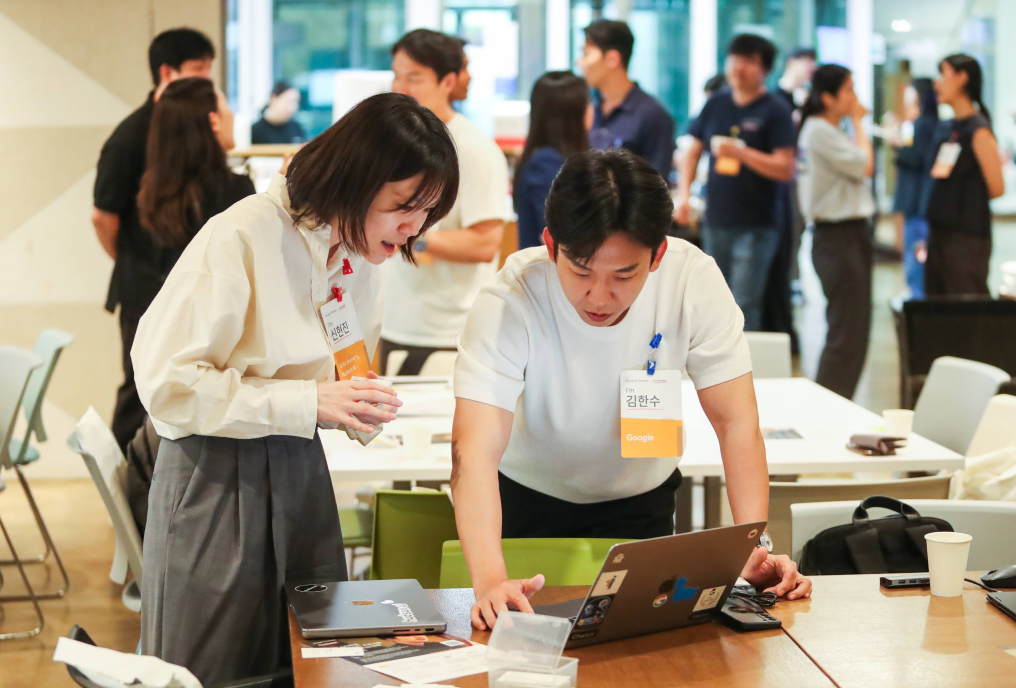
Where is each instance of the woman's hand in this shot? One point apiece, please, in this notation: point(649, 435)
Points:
point(505, 596)
point(347, 401)
point(776, 573)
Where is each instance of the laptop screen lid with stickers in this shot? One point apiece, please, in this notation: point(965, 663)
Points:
point(654, 585)
point(354, 609)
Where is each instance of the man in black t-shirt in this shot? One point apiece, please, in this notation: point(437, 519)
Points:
point(174, 54)
point(751, 138)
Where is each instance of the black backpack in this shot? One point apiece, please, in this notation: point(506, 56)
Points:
point(893, 544)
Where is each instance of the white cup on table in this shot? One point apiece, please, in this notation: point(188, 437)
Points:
point(947, 562)
point(416, 438)
point(898, 422)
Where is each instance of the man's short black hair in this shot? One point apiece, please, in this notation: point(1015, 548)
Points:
point(176, 46)
point(803, 54)
point(750, 45)
point(607, 34)
point(434, 50)
point(598, 193)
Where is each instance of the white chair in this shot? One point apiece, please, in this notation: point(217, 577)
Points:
point(770, 354)
point(992, 525)
point(953, 400)
point(439, 364)
point(94, 441)
point(997, 428)
point(16, 366)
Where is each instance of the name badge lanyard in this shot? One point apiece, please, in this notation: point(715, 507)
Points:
point(651, 420)
point(345, 337)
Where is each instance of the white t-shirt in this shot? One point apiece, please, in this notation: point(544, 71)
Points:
point(526, 350)
point(427, 305)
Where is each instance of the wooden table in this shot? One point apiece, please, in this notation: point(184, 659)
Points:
point(864, 636)
point(704, 655)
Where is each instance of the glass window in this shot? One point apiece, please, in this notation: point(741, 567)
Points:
point(314, 38)
point(659, 62)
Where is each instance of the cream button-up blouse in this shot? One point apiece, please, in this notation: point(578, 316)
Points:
point(233, 345)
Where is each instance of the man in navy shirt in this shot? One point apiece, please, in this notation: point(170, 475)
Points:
point(625, 116)
point(751, 138)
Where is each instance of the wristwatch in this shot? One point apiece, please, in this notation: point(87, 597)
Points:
point(766, 542)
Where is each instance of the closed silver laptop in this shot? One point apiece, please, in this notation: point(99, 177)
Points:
point(356, 609)
point(659, 584)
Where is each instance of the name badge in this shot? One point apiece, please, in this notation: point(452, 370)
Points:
point(727, 166)
point(946, 159)
point(345, 337)
point(651, 425)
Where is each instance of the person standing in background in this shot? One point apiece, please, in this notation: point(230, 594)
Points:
point(797, 73)
point(913, 180)
point(461, 90)
point(751, 137)
point(966, 174)
point(625, 116)
point(834, 179)
point(559, 121)
point(427, 304)
point(277, 124)
point(173, 54)
point(186, 180)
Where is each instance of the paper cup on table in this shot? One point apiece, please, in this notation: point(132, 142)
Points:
point(898, 422)
point(416, 440)
point(947, 562)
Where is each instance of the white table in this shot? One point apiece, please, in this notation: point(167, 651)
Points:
point(824, 420)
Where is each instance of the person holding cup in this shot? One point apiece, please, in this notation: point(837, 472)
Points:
point(835, 194)
point(234, 363)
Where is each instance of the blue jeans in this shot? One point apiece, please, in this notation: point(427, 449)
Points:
point(744, 255)
point(915, 232)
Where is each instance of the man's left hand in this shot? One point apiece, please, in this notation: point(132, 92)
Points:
point(776, 573)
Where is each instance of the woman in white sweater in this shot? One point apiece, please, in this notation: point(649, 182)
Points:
point(834, 171)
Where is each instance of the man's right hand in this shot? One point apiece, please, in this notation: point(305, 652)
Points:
point(509, 595)
point(682, 211)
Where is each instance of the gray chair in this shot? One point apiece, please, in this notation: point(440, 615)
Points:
point(770, 354)
point(782, 497)
point(953, 400)
point(49, 345)
point(992, 525)
point(16, 366)
point(94, 442)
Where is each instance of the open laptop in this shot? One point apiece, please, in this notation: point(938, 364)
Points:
point(357, 609)
point(660, 584)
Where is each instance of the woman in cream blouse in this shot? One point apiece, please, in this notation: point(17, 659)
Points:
point(233, 365)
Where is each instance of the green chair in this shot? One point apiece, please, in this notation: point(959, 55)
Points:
point(563, 561)
point(48, 346)
point(409, 529)
point(357, 530)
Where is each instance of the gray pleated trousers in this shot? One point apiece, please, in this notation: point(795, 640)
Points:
point(229, 522)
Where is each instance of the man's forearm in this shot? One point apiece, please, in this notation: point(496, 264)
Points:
point(468, 245)
point(107, 226)
point(771, 165)
point(747, 475)
point(686, 175)
point(478, 518)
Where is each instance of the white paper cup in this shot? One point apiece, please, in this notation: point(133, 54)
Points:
point(947, 562)
point(416, 440)
point(898, 422)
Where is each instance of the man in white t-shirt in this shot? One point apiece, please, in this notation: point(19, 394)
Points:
point(426, 305)
point(537, 434)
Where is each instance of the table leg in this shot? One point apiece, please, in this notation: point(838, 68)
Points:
point(712, 500)
point(682, 511)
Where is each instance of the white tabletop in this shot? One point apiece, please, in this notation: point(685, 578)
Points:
point(824, 420)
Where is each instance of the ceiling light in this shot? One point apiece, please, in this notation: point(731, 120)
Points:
point(901, 25)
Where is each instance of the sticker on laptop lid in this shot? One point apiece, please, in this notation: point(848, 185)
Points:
point(609, 583)
point(709, 598)
point(593, 612)
point(677, 589)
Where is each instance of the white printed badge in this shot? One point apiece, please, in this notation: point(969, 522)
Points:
point(651, 425)
point(946, 159)
point(345, 338)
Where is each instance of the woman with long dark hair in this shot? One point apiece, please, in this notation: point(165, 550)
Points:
point(912, 182)
point(833, 187)
point(234, 362)
point(560, 117)
point(186, 180)
point(966, 174)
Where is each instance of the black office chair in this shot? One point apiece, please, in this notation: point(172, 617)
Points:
point(281, 679)
point(975, 328)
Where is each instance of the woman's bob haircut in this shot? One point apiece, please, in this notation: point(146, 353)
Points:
point(386, 138)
